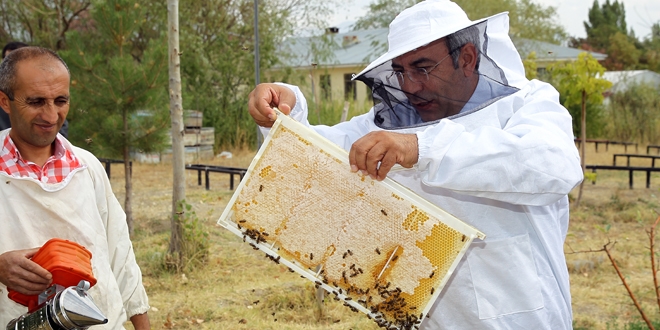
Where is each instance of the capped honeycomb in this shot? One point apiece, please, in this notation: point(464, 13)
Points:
point(375, 245)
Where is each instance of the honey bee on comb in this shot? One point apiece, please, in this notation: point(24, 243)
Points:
point(386, 264)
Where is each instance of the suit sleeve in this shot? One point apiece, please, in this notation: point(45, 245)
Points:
point(120, 249)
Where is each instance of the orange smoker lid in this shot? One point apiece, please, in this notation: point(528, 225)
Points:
point(68, 262)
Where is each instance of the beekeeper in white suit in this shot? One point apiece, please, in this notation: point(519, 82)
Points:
point(483, 143)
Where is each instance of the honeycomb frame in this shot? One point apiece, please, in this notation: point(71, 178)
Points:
point(375, 245)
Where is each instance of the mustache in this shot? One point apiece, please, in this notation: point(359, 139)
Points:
point(45, 123)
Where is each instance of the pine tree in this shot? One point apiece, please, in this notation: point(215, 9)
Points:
point(119, 79)
point(604, 22)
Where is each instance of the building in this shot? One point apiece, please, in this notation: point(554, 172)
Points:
point(547, 53)
point(329, 62)
point(622, 80)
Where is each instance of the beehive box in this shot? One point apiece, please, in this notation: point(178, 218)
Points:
point(207, 136)
point(377, 246)
point(204, 136)
point(192, 118)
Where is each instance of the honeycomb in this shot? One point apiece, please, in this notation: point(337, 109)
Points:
point(375, 245)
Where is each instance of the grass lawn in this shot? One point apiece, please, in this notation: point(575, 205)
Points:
point(240, 289)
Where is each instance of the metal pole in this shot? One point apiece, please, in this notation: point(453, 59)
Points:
point(257, 78)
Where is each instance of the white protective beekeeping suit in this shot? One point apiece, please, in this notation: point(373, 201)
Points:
point(504, 164)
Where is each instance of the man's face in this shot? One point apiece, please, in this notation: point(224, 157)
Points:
point(447, 88)
point(41, 102)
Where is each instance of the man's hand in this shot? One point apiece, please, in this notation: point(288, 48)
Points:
point(140, 321)
point(23, 275)
point(264, 98)
point(376, 153)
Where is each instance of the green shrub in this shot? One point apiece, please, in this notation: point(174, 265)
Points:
point(634, 115)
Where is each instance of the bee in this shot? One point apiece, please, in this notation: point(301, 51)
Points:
point(311, 256)
point(377, 251)
point(432, 273)
point(241, 221)
point(344, 256)
point(463, 238)
point(350, 252)
point(383, 212)
point(432, 290)
point(348, 298)
point(239, 226)
point(395, 257)
point(261, 187)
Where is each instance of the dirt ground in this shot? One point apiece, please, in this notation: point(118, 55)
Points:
point(239, 289)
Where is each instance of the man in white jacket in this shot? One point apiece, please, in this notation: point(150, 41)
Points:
point(484, 143)
point(53, 189)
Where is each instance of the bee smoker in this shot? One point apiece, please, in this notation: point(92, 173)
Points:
point(65, 305)
point(61, 309)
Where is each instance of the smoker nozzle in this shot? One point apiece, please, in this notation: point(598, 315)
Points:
point(68, 309)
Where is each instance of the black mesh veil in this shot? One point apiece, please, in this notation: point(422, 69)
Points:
point(392, 106)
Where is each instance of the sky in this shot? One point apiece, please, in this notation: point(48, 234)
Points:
point(640, 14)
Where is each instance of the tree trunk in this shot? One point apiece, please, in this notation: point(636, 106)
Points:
point(176, 114)
point(583, 144)
point(128, 206)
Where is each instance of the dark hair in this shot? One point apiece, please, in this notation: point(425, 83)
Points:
point(461, 38)
point(9, 64)
point(12, 45)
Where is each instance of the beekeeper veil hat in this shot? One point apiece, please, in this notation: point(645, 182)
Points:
point(422, 24)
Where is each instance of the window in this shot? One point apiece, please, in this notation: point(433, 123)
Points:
point(326, 90)
point(350, 88)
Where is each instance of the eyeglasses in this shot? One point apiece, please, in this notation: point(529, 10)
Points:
point(417, 75)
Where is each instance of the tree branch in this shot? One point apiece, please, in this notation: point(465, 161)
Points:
point(625, 284)
point(654, 268)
